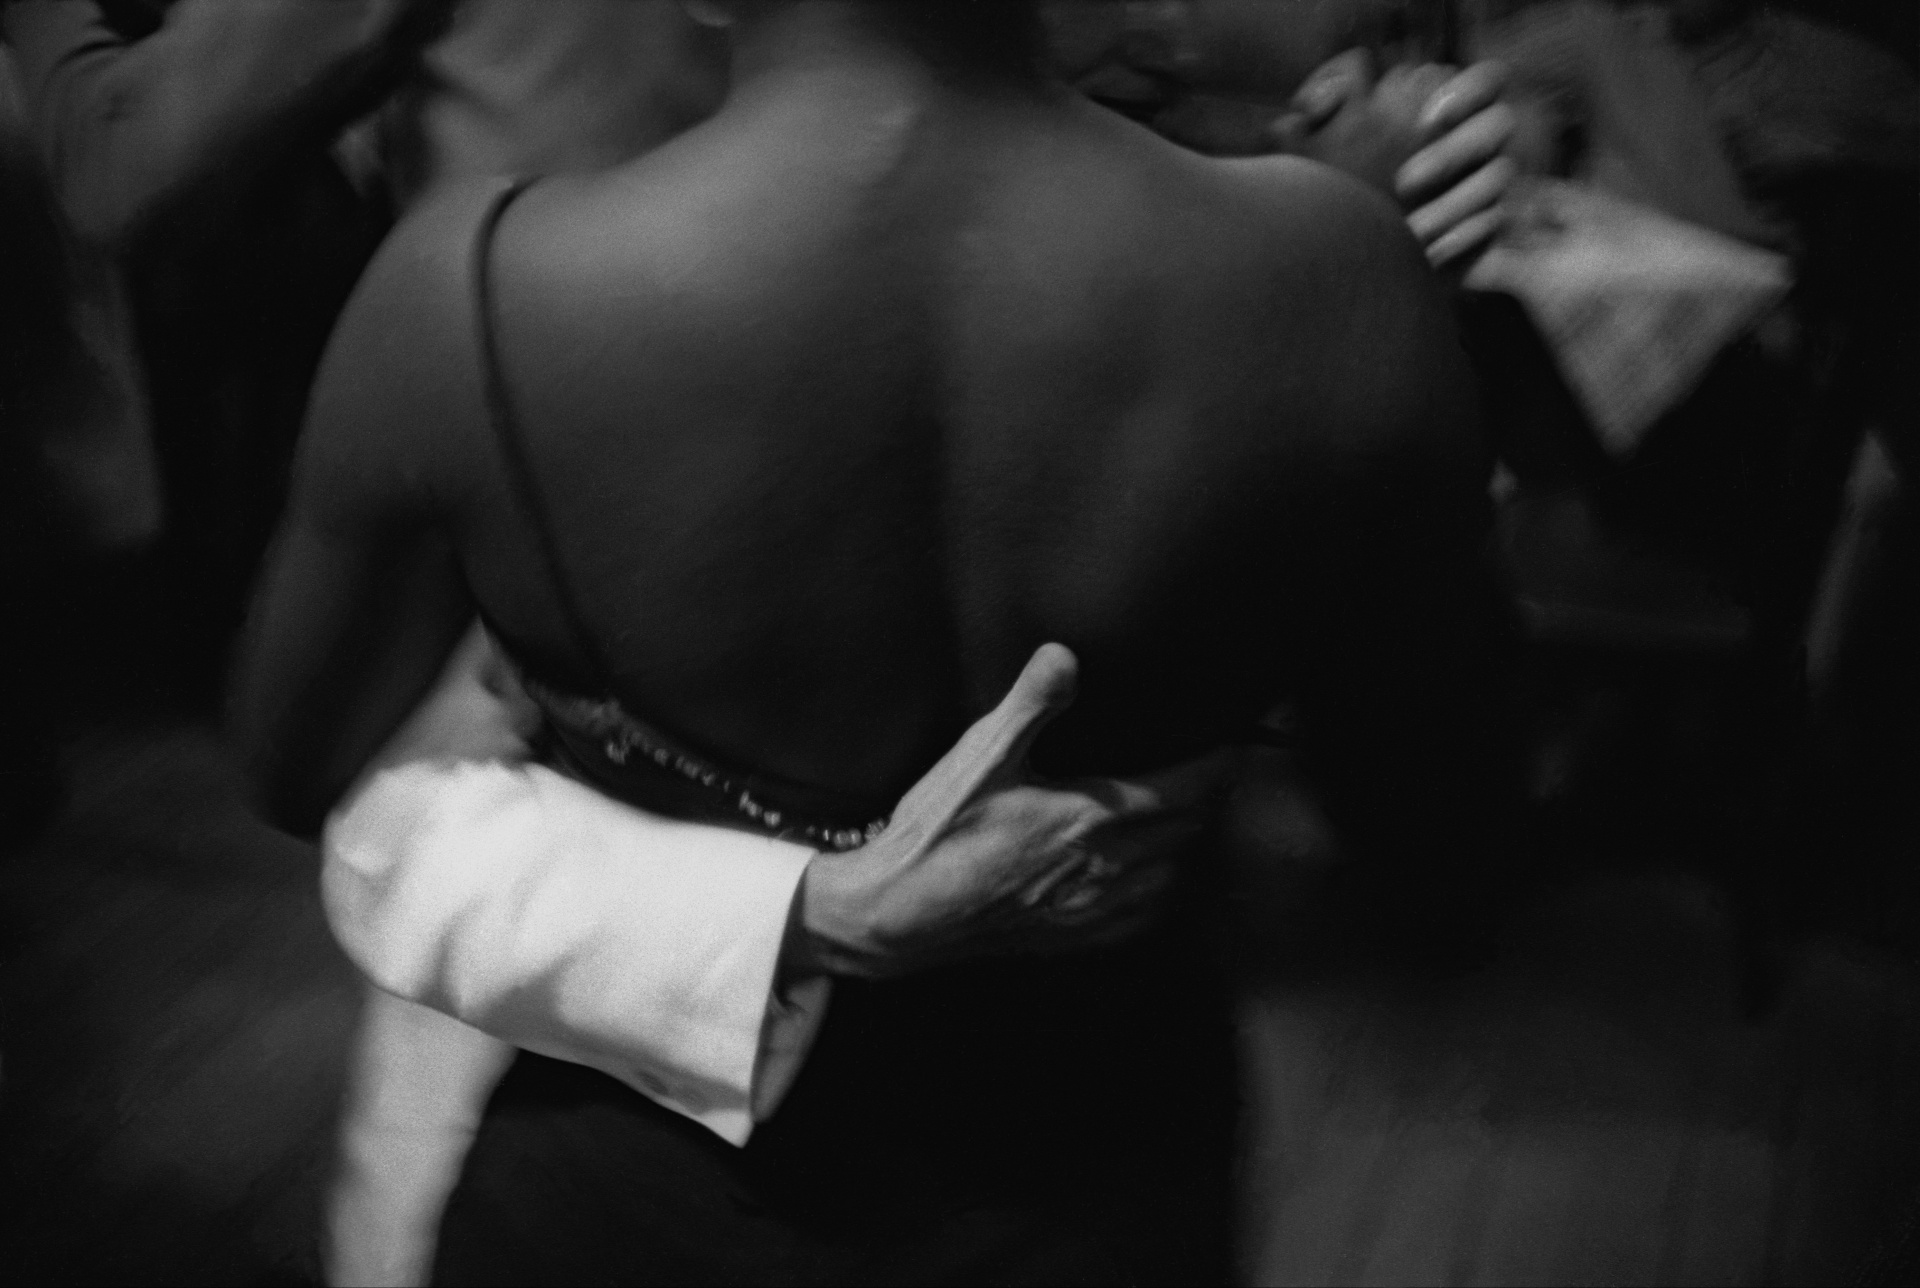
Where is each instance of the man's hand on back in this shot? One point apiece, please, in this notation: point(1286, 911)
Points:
point(985, 859)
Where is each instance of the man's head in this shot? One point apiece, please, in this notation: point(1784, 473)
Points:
point(1257, 50)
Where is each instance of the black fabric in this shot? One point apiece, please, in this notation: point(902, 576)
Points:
point(1032, 1123)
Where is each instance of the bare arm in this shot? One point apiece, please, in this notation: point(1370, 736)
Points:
point(150, 130)
point(1404, 660)
point(351, 625)
point(362, 598)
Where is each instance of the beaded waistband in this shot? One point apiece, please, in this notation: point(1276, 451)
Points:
point(608, 730)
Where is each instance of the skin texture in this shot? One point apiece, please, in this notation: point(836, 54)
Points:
point(893, 377)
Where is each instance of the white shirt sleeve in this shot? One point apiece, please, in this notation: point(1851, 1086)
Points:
point(538, 911)
point(495, 905)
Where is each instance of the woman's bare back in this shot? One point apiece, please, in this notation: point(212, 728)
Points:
point(843, 402)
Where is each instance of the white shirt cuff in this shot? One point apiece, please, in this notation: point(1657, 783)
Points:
point(537, 910)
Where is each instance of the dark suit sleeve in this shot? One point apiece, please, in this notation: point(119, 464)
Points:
point(150, 116)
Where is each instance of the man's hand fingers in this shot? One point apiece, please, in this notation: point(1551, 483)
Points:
point(1044, 688)
point(1466, 237)
point(1463, 149)
point(1332, 85)
point(1182, 786)
point(1150, 841)
point(1144, 883)
point(1479, 192)
point(1134, 899)
point(1403, 93)
point(996, 744)
point(1289, 132)
point(1468, 92)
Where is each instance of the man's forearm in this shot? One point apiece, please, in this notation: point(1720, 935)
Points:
point(154, 133)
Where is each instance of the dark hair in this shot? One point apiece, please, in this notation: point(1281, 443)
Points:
point(976, 33)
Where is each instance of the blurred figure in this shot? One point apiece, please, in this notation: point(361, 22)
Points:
point(189, 142)
point(525, 87)
point(76, 466)
point(1768, 129)
point(1720, 283)
point(1612, 100)
point(240, 163)
point(1823, 129)
point(72, 390)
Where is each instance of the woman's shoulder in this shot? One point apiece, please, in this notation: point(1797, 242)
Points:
point(1307, 222)
point(1362, 330)
point(402, 372)
point(421, 289)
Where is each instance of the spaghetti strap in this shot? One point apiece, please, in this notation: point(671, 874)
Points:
point(598, 735)
point(501, 417)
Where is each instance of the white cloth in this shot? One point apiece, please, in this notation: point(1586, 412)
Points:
point(541, 912)
point(497, 906)
point(1635, 304)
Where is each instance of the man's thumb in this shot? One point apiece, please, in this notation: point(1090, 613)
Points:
point(1045, 687)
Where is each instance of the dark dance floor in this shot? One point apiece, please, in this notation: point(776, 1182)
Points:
point(1593, 1108)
